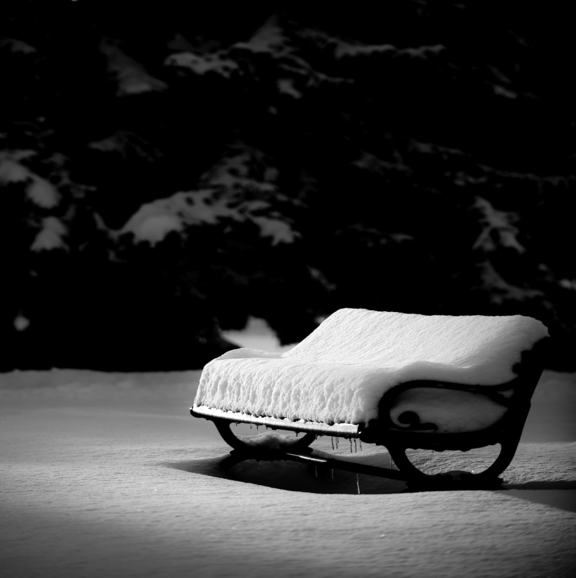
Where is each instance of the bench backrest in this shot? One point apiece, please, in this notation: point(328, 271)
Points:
point(487, 345)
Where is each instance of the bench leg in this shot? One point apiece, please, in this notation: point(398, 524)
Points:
point(486, 479)
point(236, 442)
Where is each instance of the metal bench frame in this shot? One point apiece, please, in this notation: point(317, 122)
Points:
point(515, 396)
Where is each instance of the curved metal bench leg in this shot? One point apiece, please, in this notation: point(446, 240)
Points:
point(487, 478)
point(237, 443)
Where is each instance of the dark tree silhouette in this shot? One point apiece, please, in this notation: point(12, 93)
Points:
point(174, 169)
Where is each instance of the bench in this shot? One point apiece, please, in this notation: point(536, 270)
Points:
point(398, 380)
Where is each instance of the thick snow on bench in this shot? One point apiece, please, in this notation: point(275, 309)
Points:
point(339, 373)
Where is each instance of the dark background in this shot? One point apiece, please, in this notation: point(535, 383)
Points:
point(168, 169)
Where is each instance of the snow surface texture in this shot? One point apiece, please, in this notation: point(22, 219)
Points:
point(339, 373)
point(107, 475)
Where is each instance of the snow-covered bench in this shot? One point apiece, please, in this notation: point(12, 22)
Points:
point(398, 380)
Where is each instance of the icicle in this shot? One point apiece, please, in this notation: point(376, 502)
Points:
point(257, 430)
point(358, 483)
point(360, 442)
point(350, 444)
point(355, 446)
point(250, 426)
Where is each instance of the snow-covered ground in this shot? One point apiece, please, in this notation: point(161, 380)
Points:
point(107, 475)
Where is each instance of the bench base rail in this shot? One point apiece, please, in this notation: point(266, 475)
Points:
point(298, 450)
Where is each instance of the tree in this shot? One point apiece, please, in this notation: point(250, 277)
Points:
point(174, 170)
